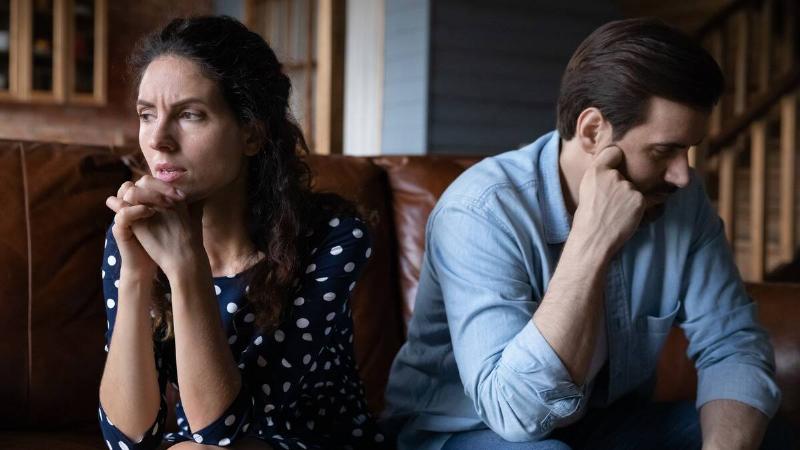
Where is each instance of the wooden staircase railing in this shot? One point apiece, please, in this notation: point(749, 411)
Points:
point(756, 42)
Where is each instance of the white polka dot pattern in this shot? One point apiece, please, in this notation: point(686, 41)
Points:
point(306, 364)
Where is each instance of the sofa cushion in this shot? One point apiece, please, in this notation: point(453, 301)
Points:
point(84, 439)
point(13, 288)
point(417, 183)
point(66, 191)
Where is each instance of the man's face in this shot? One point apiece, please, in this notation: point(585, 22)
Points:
point(656, 152)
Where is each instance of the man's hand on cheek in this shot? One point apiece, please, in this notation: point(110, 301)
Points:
point(609, 206)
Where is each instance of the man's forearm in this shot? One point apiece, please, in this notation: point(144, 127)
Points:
point(568, 314)
point(728, 424)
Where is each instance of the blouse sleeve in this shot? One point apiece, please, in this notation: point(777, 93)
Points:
point(273, 365)
point(113, 437)
point(277, 362)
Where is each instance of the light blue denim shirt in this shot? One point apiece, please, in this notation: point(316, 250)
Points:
point(475, 359)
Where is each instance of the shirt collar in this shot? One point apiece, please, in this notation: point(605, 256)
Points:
point(557, 221)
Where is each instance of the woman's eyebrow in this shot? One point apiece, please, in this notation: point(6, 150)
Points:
point(179, 103)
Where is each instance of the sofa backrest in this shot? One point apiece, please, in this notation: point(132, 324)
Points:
point(52, 320)
point(418, 182)
point(51, 307)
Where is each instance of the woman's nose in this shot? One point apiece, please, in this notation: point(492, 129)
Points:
point(161, 138)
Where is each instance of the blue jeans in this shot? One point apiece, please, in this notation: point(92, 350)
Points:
point(628, 424)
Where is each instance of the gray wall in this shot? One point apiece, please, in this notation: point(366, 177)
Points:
point(493, 70)
point(233, 8)
point(405, 81)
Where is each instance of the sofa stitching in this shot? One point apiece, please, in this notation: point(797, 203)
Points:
point(26, 203)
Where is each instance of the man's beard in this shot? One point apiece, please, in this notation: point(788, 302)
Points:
point(654, 212)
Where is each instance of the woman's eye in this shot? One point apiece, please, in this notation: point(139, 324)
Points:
point(191, 115)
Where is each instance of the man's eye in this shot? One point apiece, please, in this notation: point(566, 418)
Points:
point(145, 116)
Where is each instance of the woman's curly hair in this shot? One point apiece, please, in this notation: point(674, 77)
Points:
point(282, 209)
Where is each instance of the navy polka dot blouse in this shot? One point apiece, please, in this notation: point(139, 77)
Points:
point(300, 387)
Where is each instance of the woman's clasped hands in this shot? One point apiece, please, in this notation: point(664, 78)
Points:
point(155, 227)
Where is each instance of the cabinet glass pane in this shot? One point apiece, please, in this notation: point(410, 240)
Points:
point(83, 51)
point(5, 39)
point(43, 45)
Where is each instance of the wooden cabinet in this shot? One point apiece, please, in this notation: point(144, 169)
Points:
point(6, 64)
point(56, 51)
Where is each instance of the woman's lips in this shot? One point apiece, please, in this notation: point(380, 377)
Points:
point(169, 175)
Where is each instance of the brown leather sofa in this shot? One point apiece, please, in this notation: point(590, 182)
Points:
point(52, 319)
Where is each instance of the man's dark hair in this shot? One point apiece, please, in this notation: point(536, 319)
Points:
point(623, 64)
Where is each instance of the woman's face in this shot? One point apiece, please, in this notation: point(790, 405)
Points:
point(187, 133)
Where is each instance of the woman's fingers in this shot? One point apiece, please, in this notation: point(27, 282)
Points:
point(136, 195)
point(147, 191)
point(129, 214)
point(126, 216)
point(156, 185)
point(150, 191)
point(115, 203)
point(125, 186)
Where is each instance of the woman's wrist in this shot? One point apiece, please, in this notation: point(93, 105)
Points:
point(137, 290)
point(136, 277)
point(187, 264)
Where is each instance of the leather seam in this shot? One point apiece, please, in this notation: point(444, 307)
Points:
point(26, 202)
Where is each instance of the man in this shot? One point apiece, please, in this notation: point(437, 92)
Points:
point(552, 275)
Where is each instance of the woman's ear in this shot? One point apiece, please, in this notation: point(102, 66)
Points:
point(252, 139)
point(592, 130)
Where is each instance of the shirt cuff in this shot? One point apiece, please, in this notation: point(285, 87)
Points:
point(231, 425)
point(537, 365)
point(741, 382)
point(117, 440)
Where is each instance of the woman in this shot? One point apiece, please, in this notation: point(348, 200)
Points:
point(223, 273)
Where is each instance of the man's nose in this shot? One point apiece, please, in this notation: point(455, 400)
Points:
point(678, 170)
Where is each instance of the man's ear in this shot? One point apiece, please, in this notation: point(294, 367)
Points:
point(252, 139)
point(592, 130)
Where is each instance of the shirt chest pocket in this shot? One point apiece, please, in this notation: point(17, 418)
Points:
point(648, 339)
point(657, 324)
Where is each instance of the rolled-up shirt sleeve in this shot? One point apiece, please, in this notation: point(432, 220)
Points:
point(519, 386)
point(732, 353)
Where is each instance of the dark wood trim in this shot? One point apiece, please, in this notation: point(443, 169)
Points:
point(758, 108)
point(718, 19)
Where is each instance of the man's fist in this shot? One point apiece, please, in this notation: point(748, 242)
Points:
point(609, 206)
